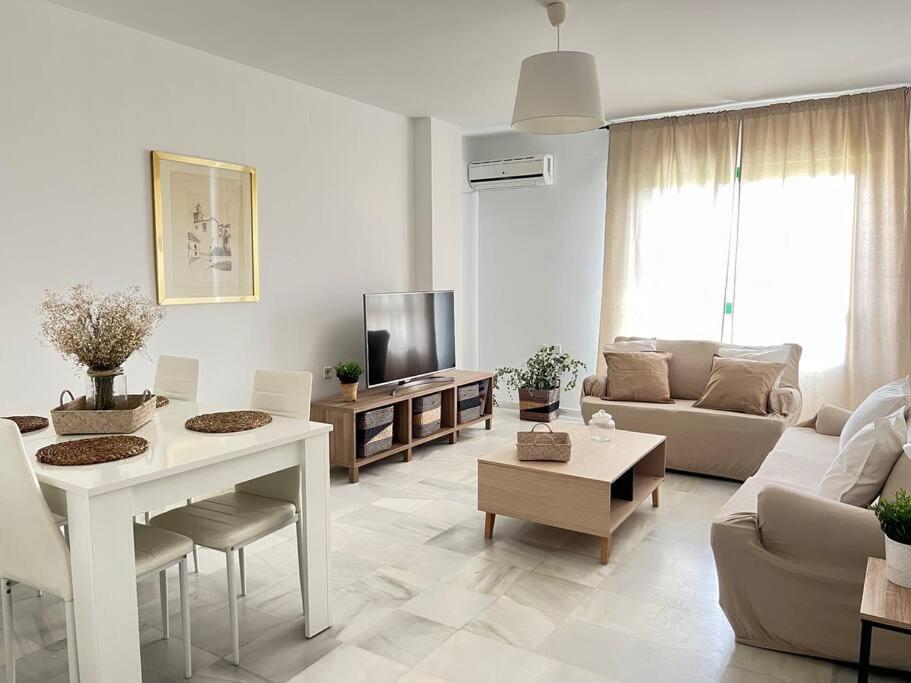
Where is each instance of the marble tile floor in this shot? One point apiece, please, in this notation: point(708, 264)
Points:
point(419, 595)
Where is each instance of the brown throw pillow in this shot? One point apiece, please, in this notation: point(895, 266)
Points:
point(740, 385)
point(638, 376)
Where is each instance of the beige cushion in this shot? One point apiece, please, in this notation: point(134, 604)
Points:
point(863, 465)
point(228, 520)
point(900, 476)
point(158, 548)
point(740, 385)
point(722, 444)
point(640, 376)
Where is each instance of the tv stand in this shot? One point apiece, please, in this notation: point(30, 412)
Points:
point(430, 379)
point(342, 415)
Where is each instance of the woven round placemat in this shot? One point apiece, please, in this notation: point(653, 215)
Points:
point(28, 423)
point(92, 451)
point(161, 401)
point(229, 421)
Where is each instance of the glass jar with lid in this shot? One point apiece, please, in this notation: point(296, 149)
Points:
point(601, 426)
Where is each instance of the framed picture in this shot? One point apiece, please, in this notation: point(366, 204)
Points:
point(206, 236)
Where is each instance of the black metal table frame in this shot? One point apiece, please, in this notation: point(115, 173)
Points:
point(866, 639)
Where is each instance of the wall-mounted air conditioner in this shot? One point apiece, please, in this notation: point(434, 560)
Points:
point(501, 174)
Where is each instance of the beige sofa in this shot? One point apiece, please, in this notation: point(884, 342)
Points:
point(791, 564)
point(720, 443)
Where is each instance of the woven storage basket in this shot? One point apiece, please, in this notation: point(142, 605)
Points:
point(374, 431)
point(548, 445)
point(74, 418)
point(469, 402)
point(539, 405)
point(483, 390)
point(426, 414)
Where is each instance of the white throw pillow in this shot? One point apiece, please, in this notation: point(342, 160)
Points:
point(768, 354)
point(861, 468)
point(631, 346)
point(883, 401)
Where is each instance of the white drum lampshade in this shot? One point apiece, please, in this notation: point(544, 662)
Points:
point(558, 93)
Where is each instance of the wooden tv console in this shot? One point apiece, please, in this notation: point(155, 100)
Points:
point(342, 414)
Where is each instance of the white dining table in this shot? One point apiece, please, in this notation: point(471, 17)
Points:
point(101, 501)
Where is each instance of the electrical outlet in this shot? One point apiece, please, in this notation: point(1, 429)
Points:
point(328, 372)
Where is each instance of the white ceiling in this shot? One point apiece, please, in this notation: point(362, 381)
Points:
point(459, 59)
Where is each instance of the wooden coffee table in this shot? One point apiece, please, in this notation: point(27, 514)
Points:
point(593, 493)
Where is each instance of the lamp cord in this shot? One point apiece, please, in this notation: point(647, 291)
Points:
point(558, 37)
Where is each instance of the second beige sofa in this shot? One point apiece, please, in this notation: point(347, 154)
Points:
point(715, 442)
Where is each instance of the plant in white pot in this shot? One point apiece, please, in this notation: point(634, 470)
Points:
point(538, 383)
point(895, 520)
point(349, 374)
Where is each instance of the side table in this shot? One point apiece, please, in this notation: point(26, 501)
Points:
point(884, 605)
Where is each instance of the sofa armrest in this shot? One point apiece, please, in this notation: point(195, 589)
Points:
point(594, 385)
point(816, 535)
point(787, 402)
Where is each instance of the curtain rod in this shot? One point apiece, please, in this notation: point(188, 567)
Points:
point(747, 104)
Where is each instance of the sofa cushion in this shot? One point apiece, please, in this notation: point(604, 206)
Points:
point(769, 354)
point(690, 366)
point(863, 465)
point(740, 385)
point(638, 376)
point(722, 444)
point(880, 403)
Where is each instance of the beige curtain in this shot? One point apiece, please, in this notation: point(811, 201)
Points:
point(823, 240)
point(670, 200)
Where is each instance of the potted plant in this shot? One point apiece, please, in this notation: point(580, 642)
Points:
point(99, 330)
point(895, 520)
point(349, 374)
point(538, 383)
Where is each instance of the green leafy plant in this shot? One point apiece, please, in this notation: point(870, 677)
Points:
point(348, 372)
point(895, 516)
point(544, 370)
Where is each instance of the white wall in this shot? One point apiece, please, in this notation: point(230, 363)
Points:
point(540, 253)
point(84, 101)
point(445, 247)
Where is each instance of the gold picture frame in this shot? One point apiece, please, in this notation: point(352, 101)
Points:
point(200, 256)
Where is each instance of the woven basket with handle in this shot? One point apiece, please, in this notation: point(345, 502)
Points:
point(543, 446)
point(73, 417)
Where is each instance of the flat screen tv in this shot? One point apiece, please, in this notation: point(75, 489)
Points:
point(408, 335)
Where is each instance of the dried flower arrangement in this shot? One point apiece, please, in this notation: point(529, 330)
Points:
point(99, 330)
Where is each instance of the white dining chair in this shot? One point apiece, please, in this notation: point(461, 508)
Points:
point(177, 377)
point(33, 552)
point(256, 508)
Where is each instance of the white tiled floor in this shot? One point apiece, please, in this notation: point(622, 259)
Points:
point(420, 596)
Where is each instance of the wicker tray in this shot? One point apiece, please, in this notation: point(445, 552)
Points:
point(91, 451)
point(28, 423)
point(540, 446)
point(228, 421)
point(74, 418)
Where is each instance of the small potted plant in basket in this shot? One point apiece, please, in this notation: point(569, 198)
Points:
point(895, 520)
point(349, 374)
point(538, 383)
point(99, 331)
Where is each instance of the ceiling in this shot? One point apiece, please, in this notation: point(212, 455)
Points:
point(459, 60)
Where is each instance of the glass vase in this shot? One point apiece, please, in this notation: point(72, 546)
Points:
point(105, 389)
